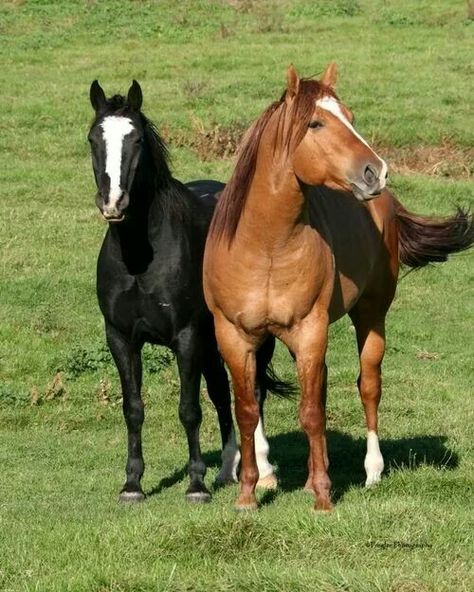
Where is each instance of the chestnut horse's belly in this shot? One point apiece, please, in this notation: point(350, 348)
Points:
point(345, 295)
point(354, 233)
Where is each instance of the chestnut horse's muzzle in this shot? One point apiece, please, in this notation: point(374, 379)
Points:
point(371, 183)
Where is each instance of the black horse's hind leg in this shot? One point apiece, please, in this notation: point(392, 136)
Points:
point(267, 478)
point(129, 364)
point(219, 393)
point(264, 357)
point(188, 355)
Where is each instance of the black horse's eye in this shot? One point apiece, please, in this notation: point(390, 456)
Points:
point(316, 124)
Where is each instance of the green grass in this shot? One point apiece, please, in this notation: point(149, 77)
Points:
point(406, 71)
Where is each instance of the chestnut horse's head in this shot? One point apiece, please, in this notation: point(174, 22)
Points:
point(327, 150)
point(309, 133)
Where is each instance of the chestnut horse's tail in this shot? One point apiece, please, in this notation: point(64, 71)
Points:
point(423, 239)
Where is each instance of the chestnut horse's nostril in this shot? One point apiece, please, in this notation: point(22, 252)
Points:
point(370, 175)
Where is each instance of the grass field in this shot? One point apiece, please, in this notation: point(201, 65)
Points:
point(207, 69)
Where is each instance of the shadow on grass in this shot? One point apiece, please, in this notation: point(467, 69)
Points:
point(346, 455)
point(169, 481)
point(289, 452)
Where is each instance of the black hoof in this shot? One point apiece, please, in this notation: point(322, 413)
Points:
point(198, 497)
point(131, 497)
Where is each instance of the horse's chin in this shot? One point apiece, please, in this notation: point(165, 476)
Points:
point(114, 219)
point(362, 195)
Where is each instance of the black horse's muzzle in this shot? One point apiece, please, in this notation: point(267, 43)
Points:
point(113, 210)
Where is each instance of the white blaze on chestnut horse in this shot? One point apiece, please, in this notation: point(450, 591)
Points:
point(296, 242)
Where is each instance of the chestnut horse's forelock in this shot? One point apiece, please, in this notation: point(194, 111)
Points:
point(290, 133)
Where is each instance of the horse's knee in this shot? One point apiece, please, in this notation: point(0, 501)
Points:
point(190, 415)
point(311, 418)
point(133, 410)
point(248, 415)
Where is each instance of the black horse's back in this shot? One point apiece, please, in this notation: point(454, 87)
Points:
point(206, 189)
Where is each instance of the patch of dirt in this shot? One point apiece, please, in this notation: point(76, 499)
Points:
point(446, 160)
point(208, 143)
point(425, 355)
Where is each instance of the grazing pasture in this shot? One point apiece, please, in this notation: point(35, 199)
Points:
point(207, 69)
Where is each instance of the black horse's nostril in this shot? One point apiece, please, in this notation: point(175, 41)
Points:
point(370, 175)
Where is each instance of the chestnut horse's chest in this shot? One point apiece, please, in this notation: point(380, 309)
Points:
point(263, 289)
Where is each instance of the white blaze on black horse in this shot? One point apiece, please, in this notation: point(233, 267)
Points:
point(149, 280)
point(114, 131)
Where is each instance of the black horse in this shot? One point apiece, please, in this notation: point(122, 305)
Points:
point(149, 280)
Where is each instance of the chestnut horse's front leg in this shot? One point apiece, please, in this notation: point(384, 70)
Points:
point(308, 341)
point(238, 351)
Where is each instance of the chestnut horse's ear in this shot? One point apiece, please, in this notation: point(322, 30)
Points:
point(292, 81)
point(135, 96)
point(329, 78)
point(97, 96)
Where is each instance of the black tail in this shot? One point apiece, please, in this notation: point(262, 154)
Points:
point(423, 240)
point(278, 387)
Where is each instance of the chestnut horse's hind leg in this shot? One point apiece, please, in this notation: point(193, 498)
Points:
point(188, 356)
point(129, 365)
point(371, 343)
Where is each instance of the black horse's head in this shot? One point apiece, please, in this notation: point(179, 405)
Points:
point(116, 137)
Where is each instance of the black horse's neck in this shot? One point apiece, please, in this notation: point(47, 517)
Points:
point(151, 183)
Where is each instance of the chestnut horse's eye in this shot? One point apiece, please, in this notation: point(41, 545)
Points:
point(316, 124)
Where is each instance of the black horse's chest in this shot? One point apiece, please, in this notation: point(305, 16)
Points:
point(149, 275)
point(152, 306)
point(138, 311)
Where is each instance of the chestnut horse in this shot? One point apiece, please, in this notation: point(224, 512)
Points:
point(296, 242)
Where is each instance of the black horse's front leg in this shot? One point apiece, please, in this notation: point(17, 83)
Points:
point(189, 354)
point(129, 364)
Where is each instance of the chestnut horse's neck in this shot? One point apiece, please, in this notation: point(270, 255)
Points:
point(275, 208)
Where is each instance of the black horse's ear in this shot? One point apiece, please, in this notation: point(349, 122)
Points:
point(135, 96)
point(97, 96)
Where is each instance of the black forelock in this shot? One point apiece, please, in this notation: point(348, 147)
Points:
point(118, 105)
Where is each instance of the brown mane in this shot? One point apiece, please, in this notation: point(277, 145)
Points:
point(232, 200)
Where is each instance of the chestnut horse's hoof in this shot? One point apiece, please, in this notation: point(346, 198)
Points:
point(246, 503)
point(323, 506)
point(308, 487)
point(198, 497)
point(268, 482)
point(250, 507)
point(131, 497)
